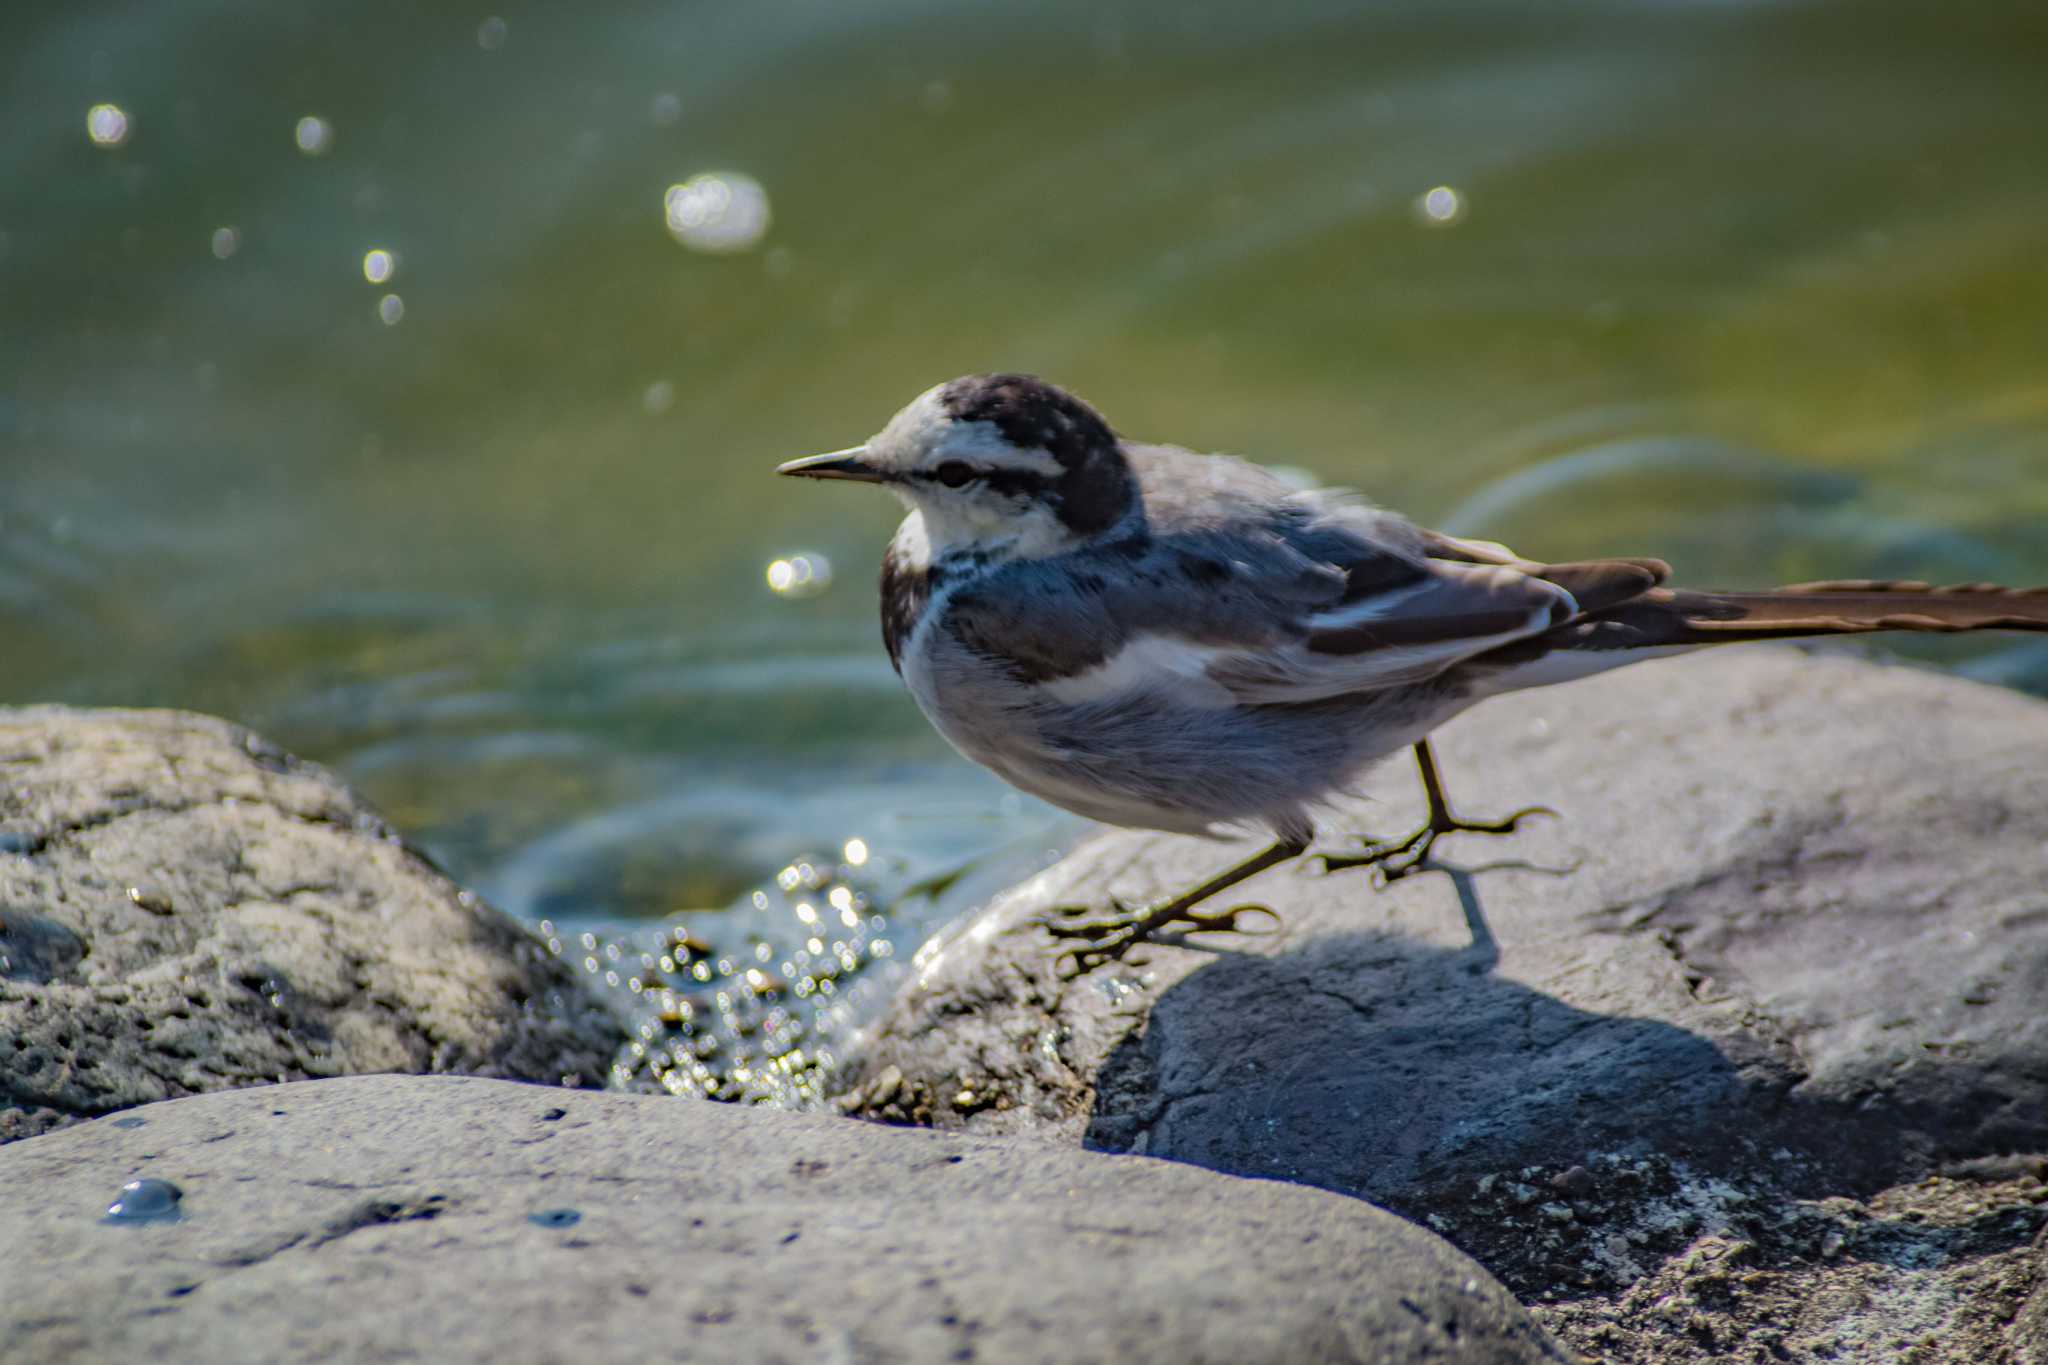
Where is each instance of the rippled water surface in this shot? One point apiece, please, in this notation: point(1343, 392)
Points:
point(404, 381)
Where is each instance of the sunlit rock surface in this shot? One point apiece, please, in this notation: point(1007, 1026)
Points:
point(442, 1218)
point(1788, 941)
point(185, 908)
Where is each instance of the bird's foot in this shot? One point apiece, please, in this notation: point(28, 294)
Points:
point(1106, 938)
point(1393, 860)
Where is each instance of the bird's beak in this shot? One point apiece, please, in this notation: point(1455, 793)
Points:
point(837, 464)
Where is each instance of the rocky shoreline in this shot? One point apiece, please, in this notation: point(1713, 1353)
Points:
point(1743, 1058)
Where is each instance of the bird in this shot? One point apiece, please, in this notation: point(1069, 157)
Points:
point(1159, 639)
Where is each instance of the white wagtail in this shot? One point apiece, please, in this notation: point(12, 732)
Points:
point(1159, 639)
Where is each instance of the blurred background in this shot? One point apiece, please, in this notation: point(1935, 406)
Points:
point(404, 380)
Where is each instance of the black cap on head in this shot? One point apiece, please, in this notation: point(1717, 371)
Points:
point(1095, 488)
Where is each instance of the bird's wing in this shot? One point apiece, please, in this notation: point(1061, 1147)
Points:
point(1414, 603)
point(1396, 633)
point(1249, 592)
point(1231, 618)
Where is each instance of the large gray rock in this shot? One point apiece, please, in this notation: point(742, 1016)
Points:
point(430, 1218)
point(185, 908)
point(1790, 938)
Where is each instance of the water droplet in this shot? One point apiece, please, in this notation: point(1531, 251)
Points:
point(717, 211)
point(106, 125)
point(314, 135)
point(146, 1201)
point(555, 1218)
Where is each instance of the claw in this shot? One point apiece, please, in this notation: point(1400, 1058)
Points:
point(1108, 939)
point(1388, 864)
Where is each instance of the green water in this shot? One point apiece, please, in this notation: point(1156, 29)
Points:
point(1758, 287)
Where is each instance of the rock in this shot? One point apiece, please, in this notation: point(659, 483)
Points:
point(1787, 941)
point(185, 908)
point(444, 1219)
point(1933, 1272)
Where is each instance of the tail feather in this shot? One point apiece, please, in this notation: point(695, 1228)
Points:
point(1836, 608)
point(1662, 620)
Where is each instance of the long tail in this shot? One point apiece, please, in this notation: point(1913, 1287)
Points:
point(1659, 620)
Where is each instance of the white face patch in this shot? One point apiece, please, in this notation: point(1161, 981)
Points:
point(988, 522)
point(923, 437)
point(983, 444)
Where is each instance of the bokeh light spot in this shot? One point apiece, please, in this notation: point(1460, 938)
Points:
point(717, 211)
point(226, 242)
point(314, 135)
point(390, 309)
point(106, 125)
point(491, 33)
point(665, 109)
point(1440, 206)
point(856, 852)
point(379, 265)
point(658, 398)
point(800, 575)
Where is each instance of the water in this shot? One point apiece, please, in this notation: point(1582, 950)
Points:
point(404, 382)
point(555, 1218)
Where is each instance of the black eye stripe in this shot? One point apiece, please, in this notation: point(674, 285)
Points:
point(1010, 482)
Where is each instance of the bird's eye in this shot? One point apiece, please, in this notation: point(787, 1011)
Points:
point(954, 473)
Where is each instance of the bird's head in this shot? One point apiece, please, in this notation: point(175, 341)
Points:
point(1001, 463)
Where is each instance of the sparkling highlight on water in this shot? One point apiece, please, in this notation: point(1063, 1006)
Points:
point(800, 575)
point(718, 211)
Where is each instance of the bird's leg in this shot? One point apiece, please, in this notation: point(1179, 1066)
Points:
point(1397, 860)
point(1107, 938)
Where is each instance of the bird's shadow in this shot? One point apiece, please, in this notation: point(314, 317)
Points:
point(1388, 1068)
